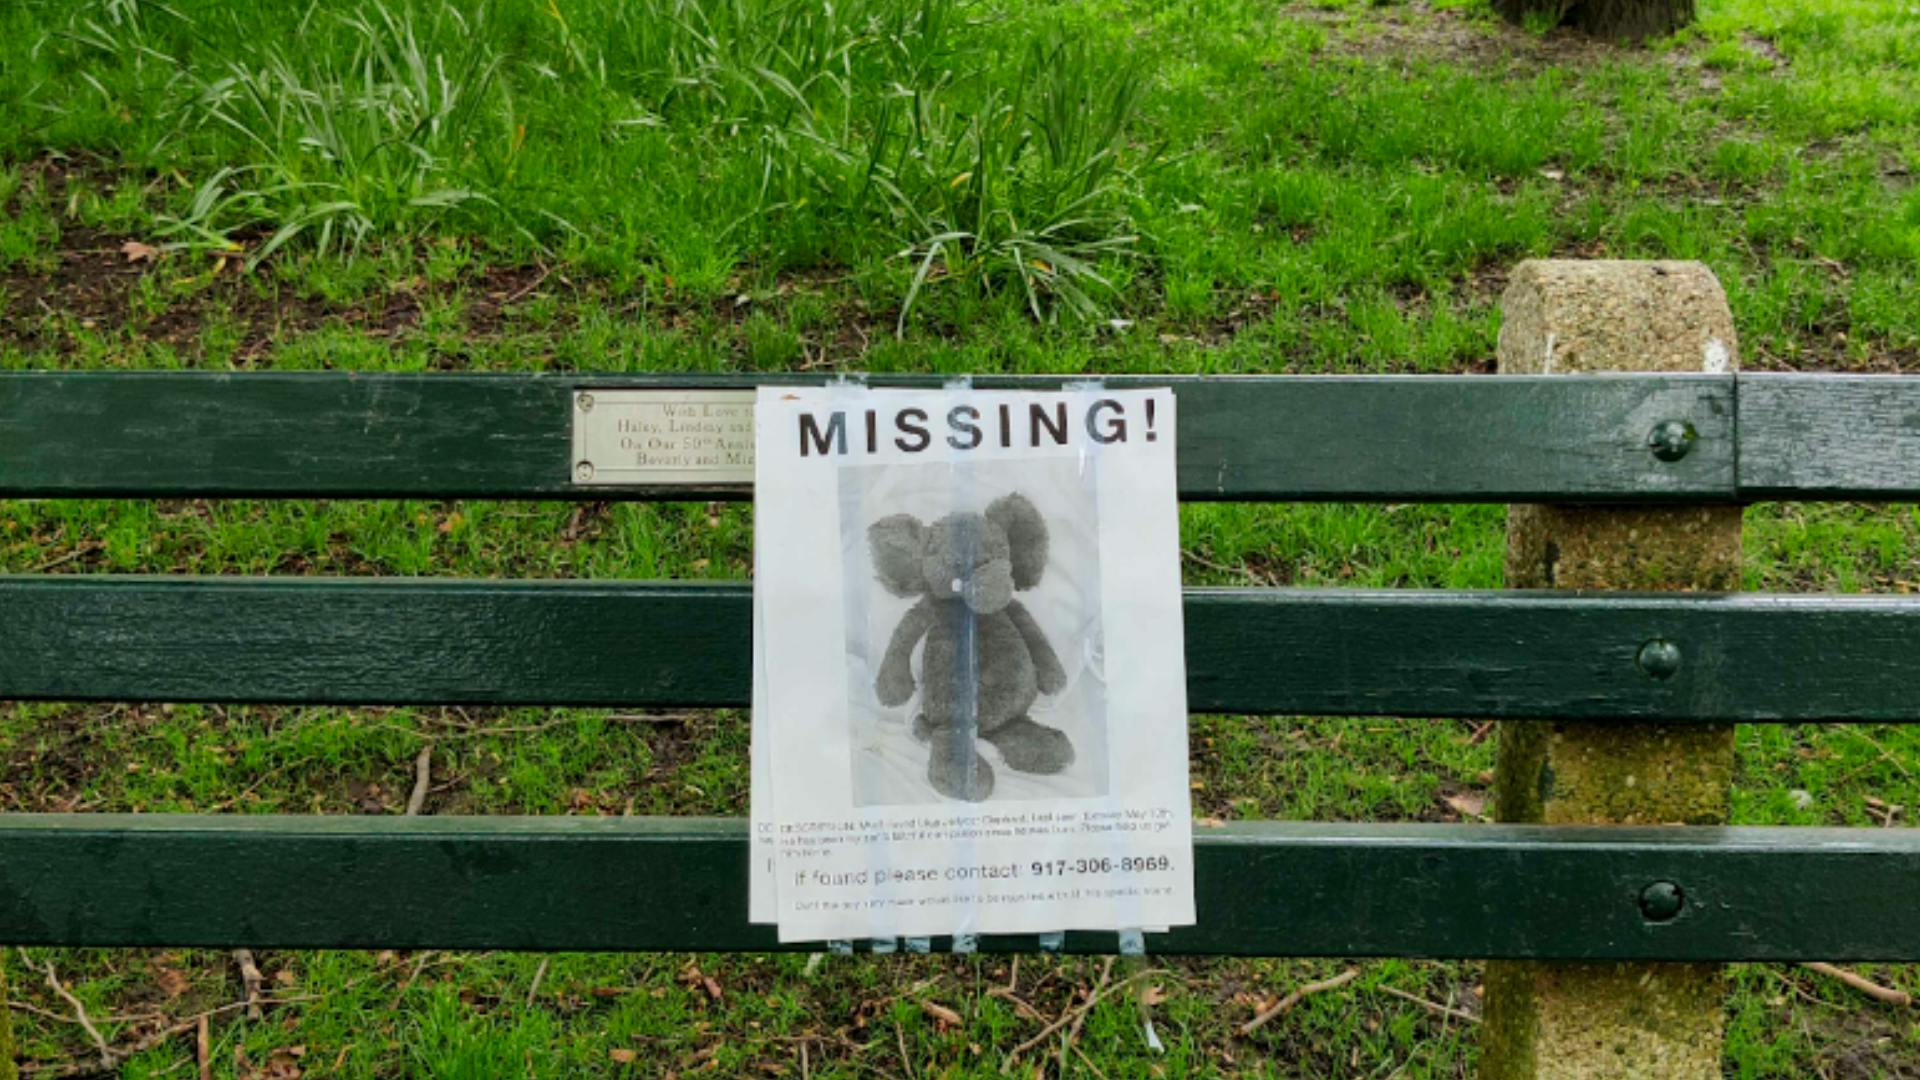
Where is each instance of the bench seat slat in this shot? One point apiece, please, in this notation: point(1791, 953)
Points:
point(1267, 888)
point(1282, 651)
point(339, 435)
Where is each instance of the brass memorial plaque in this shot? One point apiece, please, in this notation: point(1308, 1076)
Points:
point(650, 437)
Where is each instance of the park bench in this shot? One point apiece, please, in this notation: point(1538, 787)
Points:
point(1518, 891)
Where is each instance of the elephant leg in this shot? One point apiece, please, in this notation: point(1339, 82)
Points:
point(954, 765)
point(1031, 747)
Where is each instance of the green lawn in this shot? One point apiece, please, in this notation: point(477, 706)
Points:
point(944, 185)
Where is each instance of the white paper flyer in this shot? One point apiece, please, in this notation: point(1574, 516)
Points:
point(970, 687)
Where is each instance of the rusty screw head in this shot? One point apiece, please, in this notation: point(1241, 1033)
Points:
point(1661, 901)
point(1659, 658)
point(1670, 440)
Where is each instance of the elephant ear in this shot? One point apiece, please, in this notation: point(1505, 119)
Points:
point(1026, 534)
point(897, 542)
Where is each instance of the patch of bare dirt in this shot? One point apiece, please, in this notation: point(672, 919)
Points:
point(1418, 31)
point(1865, 1044)
point(1764, 49)
point(93, 288)
point(96, 284)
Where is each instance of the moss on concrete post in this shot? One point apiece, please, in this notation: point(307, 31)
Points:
point(1586, 1021)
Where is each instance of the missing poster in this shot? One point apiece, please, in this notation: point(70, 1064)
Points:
point(969, 679)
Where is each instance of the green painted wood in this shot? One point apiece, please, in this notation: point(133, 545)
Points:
point(1829, 437)
point(1269, 888)
point(1285, 651)
point(270, 434)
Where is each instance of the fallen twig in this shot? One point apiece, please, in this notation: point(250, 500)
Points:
point(45, 1014)
point(653, 718)
point(191, 1023)
point(538, 974)
point(234, 800)
point(906, 1059)
point(1886, 755)
point(251, 980)
point(1019, 1003)
point(1433, 1007)
point(1085, 1007)
point(203, 1049)
point(79, 1010)
point(1861, 983)
point(1884, 810)
point(1799, 991)
point(63, 1018)
point(1286, 1004)
point(450, 731)
point(1090, 1064)
point(1073, 1029)
point(422, 780)
point(528, 287)
point(419, 965)
point(61, 560)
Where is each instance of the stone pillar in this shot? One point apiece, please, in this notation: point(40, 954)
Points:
point(1587, 1021)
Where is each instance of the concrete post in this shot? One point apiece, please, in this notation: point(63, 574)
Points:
point(1587, 1021)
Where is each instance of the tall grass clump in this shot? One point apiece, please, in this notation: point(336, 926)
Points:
point(359, 137)
point(332, 128)
point(1027, 190)
point(971, 148)
point(983, 167)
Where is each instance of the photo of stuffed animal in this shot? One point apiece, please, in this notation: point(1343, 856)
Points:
point(986, 659)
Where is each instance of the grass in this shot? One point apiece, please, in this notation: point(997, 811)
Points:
point(968, 185)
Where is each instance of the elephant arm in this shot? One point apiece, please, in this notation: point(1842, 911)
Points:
point(894, 684)
point(1047, 672)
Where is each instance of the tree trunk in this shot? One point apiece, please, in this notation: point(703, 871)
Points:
point(1615, 20)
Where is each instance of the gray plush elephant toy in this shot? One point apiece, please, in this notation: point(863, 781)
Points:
point(986, 659)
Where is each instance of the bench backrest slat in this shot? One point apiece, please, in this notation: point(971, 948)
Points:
point(1284, 651)
point(1362, 438)
point(1829, 437)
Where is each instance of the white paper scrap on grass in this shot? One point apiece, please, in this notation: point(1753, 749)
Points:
point(969, 670)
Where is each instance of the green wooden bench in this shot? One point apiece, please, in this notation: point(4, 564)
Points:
point(1270, 888)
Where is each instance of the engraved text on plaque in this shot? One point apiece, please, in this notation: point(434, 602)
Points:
point(642, 437)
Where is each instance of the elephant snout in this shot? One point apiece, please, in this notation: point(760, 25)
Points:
point(989, 588)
